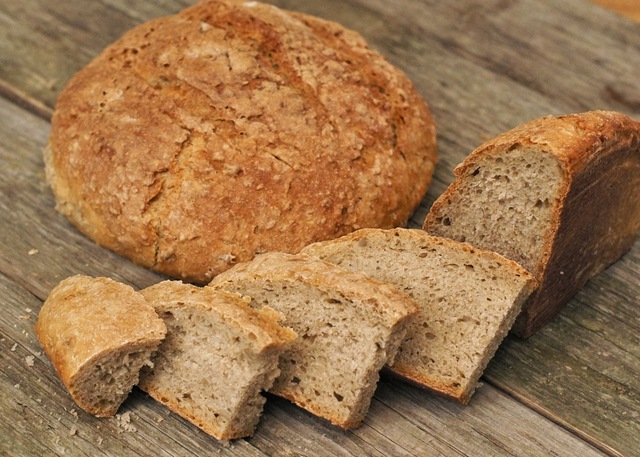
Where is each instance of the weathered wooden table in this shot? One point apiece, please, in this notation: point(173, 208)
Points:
point(573, 389)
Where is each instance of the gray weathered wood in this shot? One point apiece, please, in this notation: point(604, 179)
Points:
point(591, 351)
point(43, 43)
point(484, 67)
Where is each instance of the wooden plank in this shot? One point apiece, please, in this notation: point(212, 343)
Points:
point(484, 67)
point(590, 378)
point(43, 43)
point(403, 421)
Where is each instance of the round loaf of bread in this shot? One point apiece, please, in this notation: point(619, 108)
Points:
point(234, 128)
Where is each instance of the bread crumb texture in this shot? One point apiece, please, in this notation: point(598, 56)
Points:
point(349, 326)
point(217, 358)
point(468, 300)
point(201, 139)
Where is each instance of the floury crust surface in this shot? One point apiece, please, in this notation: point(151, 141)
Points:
point(198, 140)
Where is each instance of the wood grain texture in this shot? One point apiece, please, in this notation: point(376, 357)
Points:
point(484, 67)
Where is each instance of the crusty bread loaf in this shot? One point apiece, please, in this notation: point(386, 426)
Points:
point(98, 334)
point(559, 195)
point(234, 128)
point(468, 300)
point(217, 357)
point(349, 326)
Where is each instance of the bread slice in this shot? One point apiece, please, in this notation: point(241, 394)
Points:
point(98, 334)
point(468, 300)
point(559, 195)
point(219, 354)
point(349, 327)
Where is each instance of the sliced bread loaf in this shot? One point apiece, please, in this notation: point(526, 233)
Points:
point(559, 195)
point(349, 327)
point(98, 334)
point(468, 300)
point(218, 356)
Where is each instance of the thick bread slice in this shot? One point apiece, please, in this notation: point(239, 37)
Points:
point(349, 327)
point(98, 334)
point(219, 354)
point(468, 300)
point(559, 195)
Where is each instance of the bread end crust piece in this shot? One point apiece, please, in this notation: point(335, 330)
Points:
point(98, 334)
point(577, 214)
point(199, 140)
point(217, 358)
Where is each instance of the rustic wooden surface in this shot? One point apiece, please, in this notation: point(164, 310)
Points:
point(573, 389)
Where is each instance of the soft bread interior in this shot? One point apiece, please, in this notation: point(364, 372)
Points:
point(333, 367)
point(105, 381)
point(210, 372)
point(467, 301)
point(503, 202)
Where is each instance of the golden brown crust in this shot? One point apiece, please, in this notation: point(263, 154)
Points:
point(575, 139)
point(418, 379)
point(201, 139)
point(598, 216)
point(422, 237)
point(84, 318)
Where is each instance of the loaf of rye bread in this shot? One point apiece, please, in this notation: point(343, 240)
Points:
point(559, 195)
point(234, 128)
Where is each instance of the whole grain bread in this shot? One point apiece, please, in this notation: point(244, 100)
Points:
point(349, 327)
point(233, 128)
point(98, 334)
point(468, 300)
point(217, 358)
point(559, 195)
